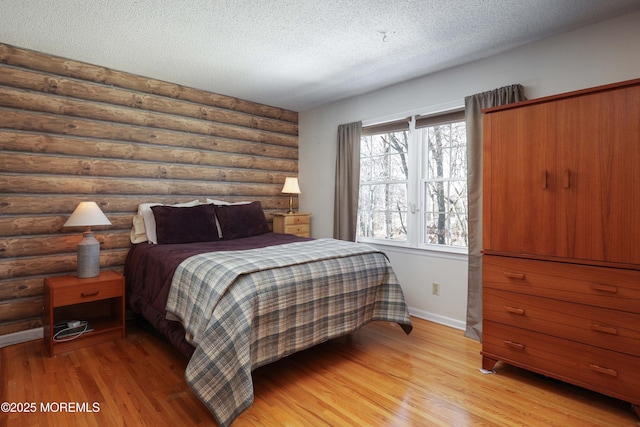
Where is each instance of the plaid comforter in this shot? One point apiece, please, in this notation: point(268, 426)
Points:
point(244, 309)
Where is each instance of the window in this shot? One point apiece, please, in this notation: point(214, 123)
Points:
point(413, 182)
point(444, 183)
point(384, 175)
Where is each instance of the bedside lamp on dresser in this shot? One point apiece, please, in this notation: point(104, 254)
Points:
point(291, 187)
point(88, 214)
point(292, 222)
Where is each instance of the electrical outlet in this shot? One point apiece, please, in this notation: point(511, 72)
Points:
point(435, 288)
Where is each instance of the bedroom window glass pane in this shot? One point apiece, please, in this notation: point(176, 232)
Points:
point(444, 183)
point(382, 211)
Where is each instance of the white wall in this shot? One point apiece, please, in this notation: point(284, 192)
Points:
point(603, 53)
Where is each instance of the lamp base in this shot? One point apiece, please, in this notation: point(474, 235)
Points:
point(88, 256)
point(290, 211)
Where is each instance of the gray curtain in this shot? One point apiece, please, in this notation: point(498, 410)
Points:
point(474, 105)
point(347, 186)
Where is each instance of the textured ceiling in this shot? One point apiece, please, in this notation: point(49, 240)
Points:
point(293, 54)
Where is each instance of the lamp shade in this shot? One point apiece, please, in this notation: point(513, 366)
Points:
point(291, 186)
point(87, 214)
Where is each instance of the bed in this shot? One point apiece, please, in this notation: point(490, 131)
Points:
point(241, 297)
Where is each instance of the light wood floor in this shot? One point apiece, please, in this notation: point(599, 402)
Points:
point(375, 377)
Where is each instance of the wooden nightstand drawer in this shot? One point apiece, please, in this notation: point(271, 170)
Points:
point(297, 229)
point(296, 219)
point(87, 292)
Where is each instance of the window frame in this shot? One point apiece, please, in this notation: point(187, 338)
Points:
point(415, 198)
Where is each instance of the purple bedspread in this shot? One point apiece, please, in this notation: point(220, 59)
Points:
point(149, 271)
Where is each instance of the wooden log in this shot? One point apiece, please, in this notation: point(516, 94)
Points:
point(17, 226)
point(35, 101)
point(13, 230)
point(60, 243)
point(37, 184)
point(20, 325)
point(30, 207)
point(67, 145)
point(21, 308)
point(20, 288)
point(46, 224)
point(65, 67)
point(36, 246)
point(56, 124)
point(44, 82)
point(65, 165)
point(55, 264)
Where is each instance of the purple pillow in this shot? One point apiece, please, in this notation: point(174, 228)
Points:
point(185, 224)
point(237, 221)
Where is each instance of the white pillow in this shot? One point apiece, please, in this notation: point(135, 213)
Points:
point(138, 233)
point(144, 223)
point(223, 203)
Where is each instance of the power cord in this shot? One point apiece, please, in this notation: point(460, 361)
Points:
point(67, 331)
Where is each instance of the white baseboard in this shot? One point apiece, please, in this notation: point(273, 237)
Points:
point(436, 318)
point(21, 336)
point(38, 333)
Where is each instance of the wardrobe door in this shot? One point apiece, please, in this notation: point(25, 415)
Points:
point(599, 167)
point(519, 182)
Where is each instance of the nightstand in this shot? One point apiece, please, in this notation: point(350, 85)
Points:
point(292, 223)
point(97, 300)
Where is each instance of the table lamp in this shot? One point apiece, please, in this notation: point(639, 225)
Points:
point(88, 214)
point(291, 187)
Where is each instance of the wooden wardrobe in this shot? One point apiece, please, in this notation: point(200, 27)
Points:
point(561, 238)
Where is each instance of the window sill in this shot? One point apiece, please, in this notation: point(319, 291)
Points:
point(433, 251)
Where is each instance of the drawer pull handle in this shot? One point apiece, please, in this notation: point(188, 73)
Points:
point(602, 370)
point(514, 310)
point(605, 329)
point(544, 180)
point(605, 288)
point(518, 276)
point(93, 294)
point(515, 345)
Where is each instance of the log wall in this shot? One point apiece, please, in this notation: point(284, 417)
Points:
point(71, 131)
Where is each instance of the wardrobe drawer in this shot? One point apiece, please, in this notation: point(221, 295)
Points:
point(613, 288)
point(609, 372)
point(601, 327)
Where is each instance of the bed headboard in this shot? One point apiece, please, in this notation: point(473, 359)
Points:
point(71, 131)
